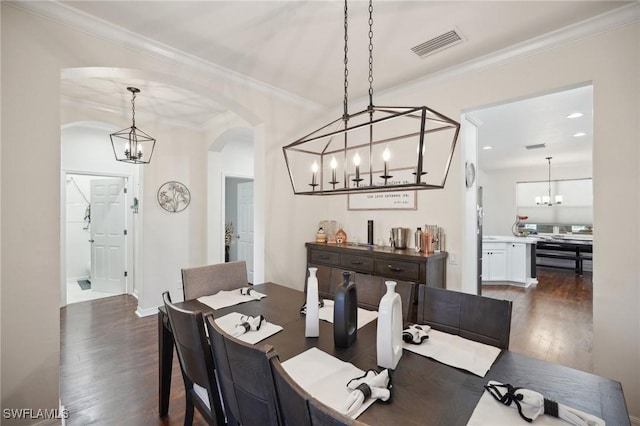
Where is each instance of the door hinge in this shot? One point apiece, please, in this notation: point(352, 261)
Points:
point(125, 232)
point(125, 190)
point(125, 273)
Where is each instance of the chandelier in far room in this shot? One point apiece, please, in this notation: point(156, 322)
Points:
point(132, 145)
point(546, 199)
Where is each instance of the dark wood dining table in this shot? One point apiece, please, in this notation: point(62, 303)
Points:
point(425, 392)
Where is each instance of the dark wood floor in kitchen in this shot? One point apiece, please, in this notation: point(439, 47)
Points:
point(109, 356)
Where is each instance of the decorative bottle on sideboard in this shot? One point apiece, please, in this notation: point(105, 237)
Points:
point(389, 339)
point(312, 319)
point(345, 313)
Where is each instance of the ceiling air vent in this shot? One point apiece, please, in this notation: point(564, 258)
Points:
point(536, 146)
point(443, 41)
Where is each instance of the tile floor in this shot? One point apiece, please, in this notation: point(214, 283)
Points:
point(76, 294)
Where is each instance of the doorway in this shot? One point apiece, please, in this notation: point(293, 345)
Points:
point(95, 241)
point(239, 232)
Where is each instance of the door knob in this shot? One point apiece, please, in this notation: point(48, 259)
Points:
point(91, 241)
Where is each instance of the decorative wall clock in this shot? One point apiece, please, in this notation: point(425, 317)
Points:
point(174, 196)
point(470, 174)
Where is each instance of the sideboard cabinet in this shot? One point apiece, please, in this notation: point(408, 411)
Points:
point(403, 265)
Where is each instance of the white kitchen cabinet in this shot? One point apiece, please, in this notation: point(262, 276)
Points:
point(507, 260)
point(518, 261)
point(494, 262)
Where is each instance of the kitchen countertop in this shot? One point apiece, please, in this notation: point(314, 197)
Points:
point(509, 239)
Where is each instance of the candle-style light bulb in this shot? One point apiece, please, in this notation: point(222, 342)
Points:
point(334, 164)
point(314, 174)
point(386, 155)
point(356, 161)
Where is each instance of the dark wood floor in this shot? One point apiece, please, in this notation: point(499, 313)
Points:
point(552, 321)
point(109, 356)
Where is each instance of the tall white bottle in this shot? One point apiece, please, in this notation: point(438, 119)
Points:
point(389, 340)
point(312, 320)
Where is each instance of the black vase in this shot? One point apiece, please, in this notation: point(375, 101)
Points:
point(345, 313)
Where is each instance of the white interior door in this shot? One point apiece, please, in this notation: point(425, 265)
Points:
point(245, 226)
point(107, 235)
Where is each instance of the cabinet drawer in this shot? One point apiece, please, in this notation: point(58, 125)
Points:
point(357, 263)
point(325, 257)
point(406, 271)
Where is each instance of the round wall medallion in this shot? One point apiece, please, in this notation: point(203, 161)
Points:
point(174, 196)
point(470, 174)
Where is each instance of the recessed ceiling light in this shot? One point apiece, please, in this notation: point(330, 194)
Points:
point(579, 134)
point(487, 147)
point(575, 115)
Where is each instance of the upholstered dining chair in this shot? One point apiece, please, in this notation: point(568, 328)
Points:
point(197, 364)
point(205, 280)
point(245, 378)
point(478, 318)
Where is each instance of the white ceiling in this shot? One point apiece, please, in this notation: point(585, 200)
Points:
point(508, 128)
point(296, 47)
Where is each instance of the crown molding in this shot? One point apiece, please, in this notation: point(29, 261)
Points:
point(607, 21)
point(78, 20)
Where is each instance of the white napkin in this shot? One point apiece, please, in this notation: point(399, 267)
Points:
point(373, 385)
point(364, 316)
point(456, 351)
point(229, 323)
point(491, 412)
point(416, 334)
point(225, 298)
point(328, 383)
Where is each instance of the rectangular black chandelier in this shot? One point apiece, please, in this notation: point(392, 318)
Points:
point(380, 149)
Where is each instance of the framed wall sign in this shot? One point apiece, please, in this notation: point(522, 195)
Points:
point(392, 200)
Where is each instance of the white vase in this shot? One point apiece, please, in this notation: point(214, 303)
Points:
point(312, 320)
point(389, 339)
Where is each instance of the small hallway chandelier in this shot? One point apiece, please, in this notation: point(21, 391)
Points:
point(546, 199)
point(379, 149)
point(132, 145)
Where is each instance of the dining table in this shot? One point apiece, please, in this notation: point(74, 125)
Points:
point(425, 391)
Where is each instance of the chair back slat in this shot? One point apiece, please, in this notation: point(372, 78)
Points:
point(292, 399)
point(210, 279)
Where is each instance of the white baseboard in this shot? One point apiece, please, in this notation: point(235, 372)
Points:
point(635, 421)
point(146, 312)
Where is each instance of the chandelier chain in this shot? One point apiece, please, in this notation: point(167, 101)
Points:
point(371, 53)
point(346, 61)
point(133, 108)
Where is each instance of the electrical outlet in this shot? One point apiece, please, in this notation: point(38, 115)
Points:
point(453, 259)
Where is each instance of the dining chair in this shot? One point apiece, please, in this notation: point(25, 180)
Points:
point(478, 318)
point(196, 363)
point(292, 399)
point(205, 280)
point(370, 289)
point(323, 415)
point(245, 378)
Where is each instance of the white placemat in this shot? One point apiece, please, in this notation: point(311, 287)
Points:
point(456, 351)
point(225, 298)
point(490, 412)
point(228, 323)
point(364, 316)
point(328, 383)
